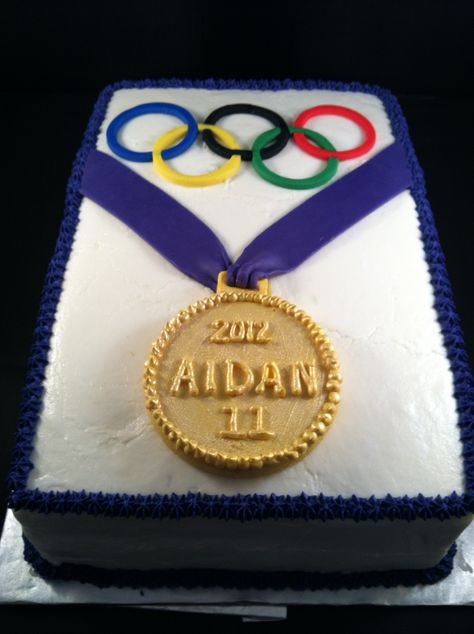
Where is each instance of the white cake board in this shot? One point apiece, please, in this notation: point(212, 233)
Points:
point(20, 584)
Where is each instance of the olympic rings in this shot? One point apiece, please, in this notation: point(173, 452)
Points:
point(202, 180)
point(339, 111)
point(151, 108)
point(223, 143)
point(293, 183)
point(277, 146)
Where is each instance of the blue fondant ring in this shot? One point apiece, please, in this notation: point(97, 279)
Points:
point(151, 108)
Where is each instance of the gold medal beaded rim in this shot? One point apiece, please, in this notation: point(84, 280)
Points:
point(256, 462)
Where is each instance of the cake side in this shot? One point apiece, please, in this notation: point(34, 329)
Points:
point(370, 507)
point(236, 579)
point(286, 544)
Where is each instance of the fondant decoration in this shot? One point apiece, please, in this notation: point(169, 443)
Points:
point(339, 111)
point(286, 244)
point(266, 146)
point(279, 142)
point(191, 246)
point(151, 108)
point(242, 382)
point(242, 354)
point(174, 231)
point(293, 183)
point(202, 180)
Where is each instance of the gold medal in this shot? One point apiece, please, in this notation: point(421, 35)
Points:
point(242, 382)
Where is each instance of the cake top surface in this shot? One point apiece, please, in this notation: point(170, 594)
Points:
point(397, 430)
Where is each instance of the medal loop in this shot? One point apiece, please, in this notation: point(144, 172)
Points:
point(263, 285)
point(151, 108)
point(202, 180)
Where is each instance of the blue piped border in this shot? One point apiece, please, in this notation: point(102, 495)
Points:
point(243, 507)
point(236, 579)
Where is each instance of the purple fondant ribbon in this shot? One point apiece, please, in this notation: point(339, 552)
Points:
point(160, 220)
point(185, 241)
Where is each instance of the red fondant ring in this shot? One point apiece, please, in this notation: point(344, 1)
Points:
point(338, 111)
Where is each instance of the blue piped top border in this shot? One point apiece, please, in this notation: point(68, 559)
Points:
point(242, 507)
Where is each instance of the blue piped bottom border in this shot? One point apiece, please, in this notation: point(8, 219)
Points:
point(237, 579)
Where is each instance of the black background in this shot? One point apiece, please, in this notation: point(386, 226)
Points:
point(56, 56)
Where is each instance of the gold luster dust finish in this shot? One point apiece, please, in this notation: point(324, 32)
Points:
point(242, 383)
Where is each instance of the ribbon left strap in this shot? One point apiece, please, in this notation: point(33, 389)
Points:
point(174, 231)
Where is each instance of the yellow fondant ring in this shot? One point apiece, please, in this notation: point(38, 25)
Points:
point(202, 180)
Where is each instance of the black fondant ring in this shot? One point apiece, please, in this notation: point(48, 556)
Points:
point(247, 108)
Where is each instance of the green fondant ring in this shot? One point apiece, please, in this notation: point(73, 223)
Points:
point(293, 183)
